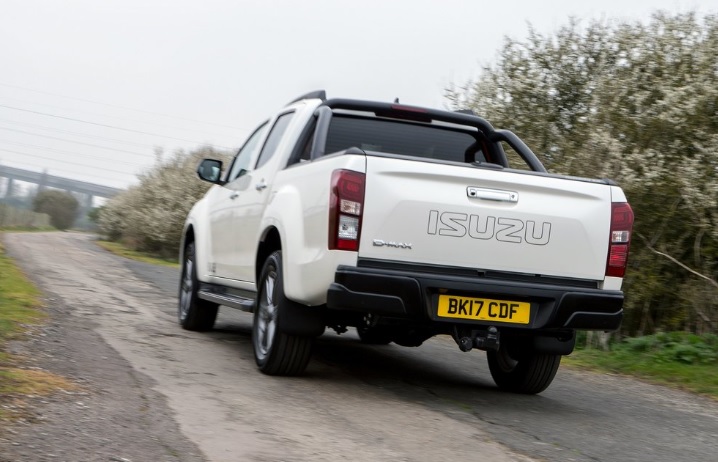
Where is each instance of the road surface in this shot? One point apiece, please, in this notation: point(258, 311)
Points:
point(181, 395)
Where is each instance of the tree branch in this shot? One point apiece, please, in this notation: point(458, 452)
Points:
point(698, 311)
point(712, 282)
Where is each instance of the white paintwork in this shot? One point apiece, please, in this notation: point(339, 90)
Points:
point(400, 197)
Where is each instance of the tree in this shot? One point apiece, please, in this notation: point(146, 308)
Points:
point(94, 214)
point(637, 103)
point(61, 206)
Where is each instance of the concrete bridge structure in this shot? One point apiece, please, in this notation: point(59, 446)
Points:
point(87, 190)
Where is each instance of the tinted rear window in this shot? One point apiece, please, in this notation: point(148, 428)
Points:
point(397, 137)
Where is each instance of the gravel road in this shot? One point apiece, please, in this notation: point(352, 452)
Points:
point(153, 392)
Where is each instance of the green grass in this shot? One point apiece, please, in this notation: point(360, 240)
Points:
point(20, 309)
point(19, 300)
point(119, 249)
point(27, 229)
point(677, 359)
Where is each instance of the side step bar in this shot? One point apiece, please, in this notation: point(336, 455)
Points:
point(227, 299)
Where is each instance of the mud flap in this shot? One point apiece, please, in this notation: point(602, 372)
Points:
point(553, 345)
point(298, 319)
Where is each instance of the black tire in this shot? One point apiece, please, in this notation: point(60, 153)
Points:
point(527, 373)
point(374, 335)
point(276, 352)
point(193, 313)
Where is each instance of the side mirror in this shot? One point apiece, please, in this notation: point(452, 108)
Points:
point(210, 170)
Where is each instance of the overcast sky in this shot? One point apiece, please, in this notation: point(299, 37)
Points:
point(80, 79)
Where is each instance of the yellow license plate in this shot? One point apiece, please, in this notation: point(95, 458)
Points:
point(484, 309)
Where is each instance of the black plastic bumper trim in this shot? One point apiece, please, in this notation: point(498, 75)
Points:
point(339, 297)
point(594, 321)
point(414, 295)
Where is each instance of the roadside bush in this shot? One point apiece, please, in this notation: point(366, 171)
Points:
point(149, 216)
point(61, 206)
point(641, 344)
point(689, 354)
point(673, 347)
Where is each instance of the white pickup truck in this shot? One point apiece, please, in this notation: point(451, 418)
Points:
point(405, 223)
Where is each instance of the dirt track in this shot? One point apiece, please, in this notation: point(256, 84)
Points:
point(154, 392)
point(224, 409)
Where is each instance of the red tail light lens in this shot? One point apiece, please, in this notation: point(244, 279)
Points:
point(346, 204)
point(620, 239)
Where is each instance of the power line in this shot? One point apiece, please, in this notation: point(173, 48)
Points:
point(117, 106)
point(67, 162)
point(75, 142)
point(108, 126)
point(72, 153)
point(133, 120)
point(41, 127)
point(70, 172)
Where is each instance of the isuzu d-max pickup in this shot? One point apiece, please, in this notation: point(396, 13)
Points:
point(404, 223)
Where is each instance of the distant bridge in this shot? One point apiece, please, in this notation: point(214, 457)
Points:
point(43, 180)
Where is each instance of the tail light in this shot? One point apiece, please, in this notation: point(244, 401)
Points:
point(346, 204)
point(620, 240)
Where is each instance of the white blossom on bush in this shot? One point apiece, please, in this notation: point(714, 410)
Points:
point(638, 103)
point(150, 215)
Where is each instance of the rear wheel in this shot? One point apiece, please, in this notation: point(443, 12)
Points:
point(276, 352)
point(522, 372)
point(193, 313)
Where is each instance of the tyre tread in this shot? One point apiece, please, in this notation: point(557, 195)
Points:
point(201, 314)
point(532, 374)
point(290, 354)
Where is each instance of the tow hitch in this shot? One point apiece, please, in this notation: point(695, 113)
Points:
point(487, 340)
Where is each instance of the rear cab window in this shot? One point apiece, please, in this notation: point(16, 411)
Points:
point(403, 138)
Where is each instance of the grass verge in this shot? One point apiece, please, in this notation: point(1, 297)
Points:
point(678, 359)
point(27, 229)
point(119, 249)
point(19, 299)
point(20, 310)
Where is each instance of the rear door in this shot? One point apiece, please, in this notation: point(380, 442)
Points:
point(250, 204)
point(222, 205)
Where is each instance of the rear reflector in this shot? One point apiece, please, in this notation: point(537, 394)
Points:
point(620, 239)
point(618, 256)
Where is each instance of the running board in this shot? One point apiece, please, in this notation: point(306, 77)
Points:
point(226, 299)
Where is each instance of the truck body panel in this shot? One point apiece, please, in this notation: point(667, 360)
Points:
point(425, 212)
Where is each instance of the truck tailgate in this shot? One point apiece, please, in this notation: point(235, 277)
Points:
point(495, 220)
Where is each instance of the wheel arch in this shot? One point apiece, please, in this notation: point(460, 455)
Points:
point(270, 242)
point(193, 233)
point(187, 237)
point(297, 318)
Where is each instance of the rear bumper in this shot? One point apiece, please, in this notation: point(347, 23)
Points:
point(414, 295)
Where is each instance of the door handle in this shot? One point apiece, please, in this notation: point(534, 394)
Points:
point(261, 185)
point(498, 195)
point(234, 195)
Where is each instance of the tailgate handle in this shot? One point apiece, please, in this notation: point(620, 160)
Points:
point(498, 195)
